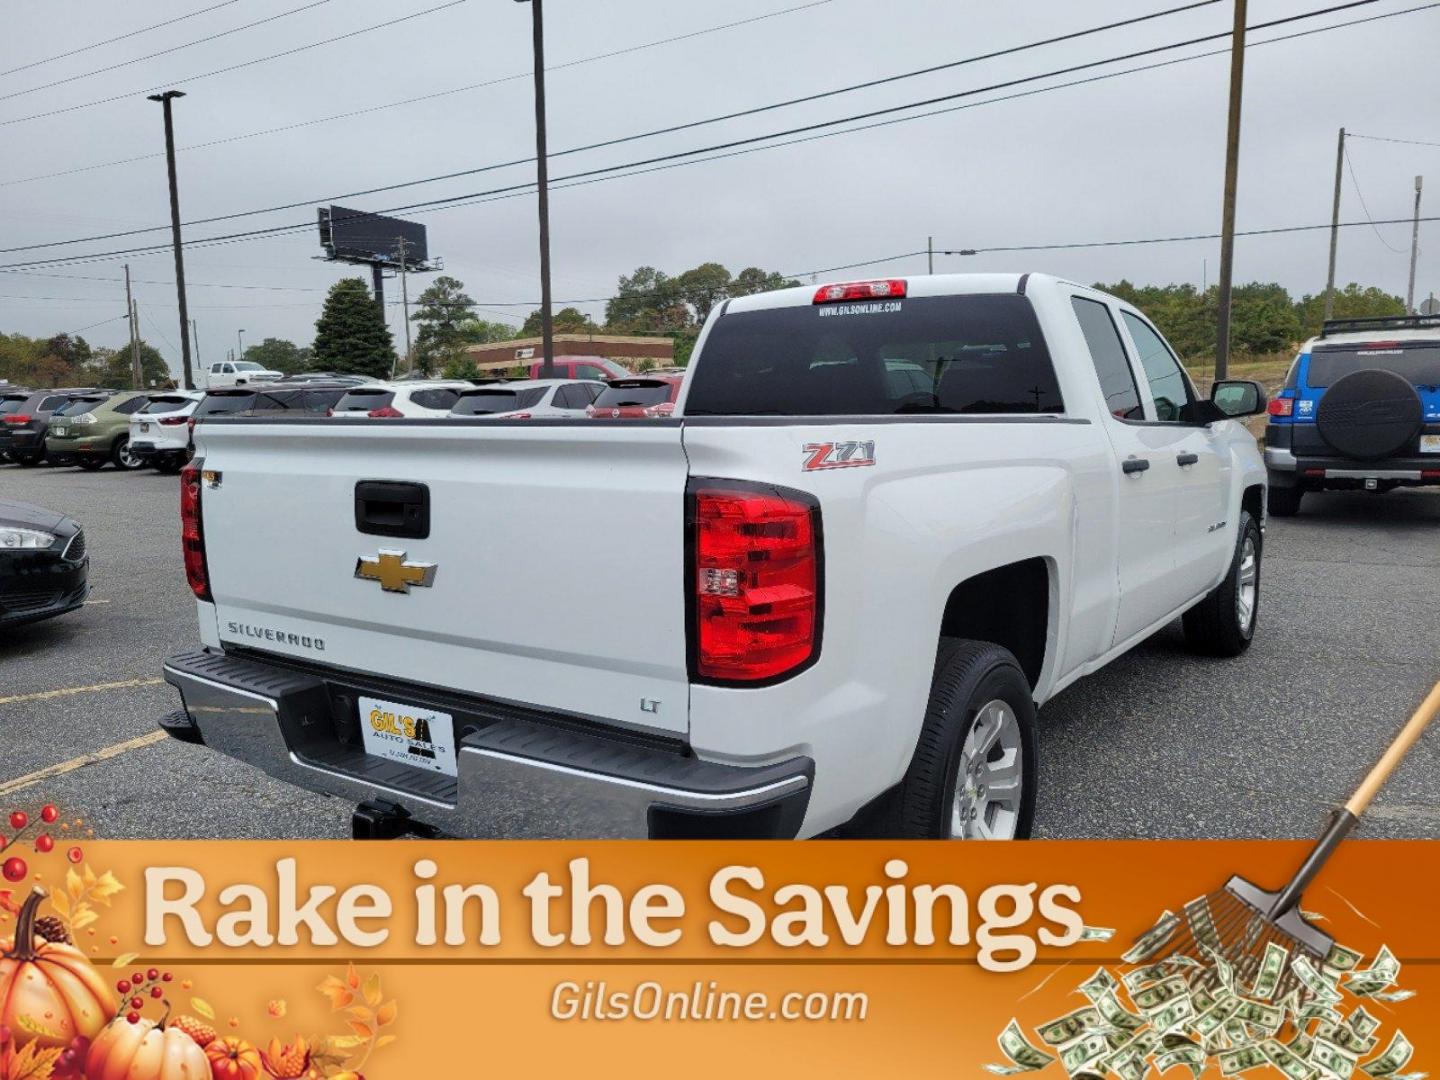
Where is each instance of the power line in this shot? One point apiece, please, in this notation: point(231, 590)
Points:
point(1382, 138)
point(1355, 182)
point(614, 172)
point(1272, 231)
point(425, 97)
point(232, 67)
point(163, 52)
point(730, 116)
point(121, 37)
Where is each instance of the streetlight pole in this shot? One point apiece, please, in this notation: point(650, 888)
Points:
point(165, 100)
point(542, 183)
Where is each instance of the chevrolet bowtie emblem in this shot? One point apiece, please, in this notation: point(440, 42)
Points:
point(393, 573)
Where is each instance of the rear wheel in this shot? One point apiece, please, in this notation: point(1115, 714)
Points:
point(122, 457)
point(1223, 624)
point(973, 773)
point(1284, 502)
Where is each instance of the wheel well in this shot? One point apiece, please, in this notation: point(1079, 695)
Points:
point(1009, 606)
point(1254, 501)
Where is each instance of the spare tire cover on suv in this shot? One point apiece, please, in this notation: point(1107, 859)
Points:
point(1369, 414)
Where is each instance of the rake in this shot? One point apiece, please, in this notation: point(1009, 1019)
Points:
point(1239, 921)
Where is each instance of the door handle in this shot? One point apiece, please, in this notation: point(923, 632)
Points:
point(1135, 465)
point(1186, 459)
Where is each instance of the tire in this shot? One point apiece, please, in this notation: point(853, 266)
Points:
point(1223, 624)
point(971, 678)
point(1283, 502)
point(120, 456)
point(29, 459)
point(91, 464)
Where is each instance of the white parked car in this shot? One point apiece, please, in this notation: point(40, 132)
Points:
point(386, 400)
point(859, 585)
point(526, 399)
point(238, 373)
point(160, 430)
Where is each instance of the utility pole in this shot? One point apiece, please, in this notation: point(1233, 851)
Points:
point(165, 100)
point(1414, 250)
point(195, 333)
point(404, 299)
point(135, 373)
point(1232, 170)
point(1334, 228)
point(542, 183)
point(930, 252)
point(239, 344)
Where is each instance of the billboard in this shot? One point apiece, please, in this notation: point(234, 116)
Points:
point(351, 235)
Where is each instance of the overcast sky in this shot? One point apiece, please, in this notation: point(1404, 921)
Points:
point(1130, 157)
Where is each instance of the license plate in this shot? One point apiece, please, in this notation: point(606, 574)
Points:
point(144, 429)
point(409, 734)
point(59, 431)
point(1430, 444)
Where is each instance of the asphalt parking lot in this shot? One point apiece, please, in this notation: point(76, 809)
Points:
point(1159, 745)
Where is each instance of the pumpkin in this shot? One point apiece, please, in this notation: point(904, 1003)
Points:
point(145, 1051)
point(234, 1059)
point(49, 993)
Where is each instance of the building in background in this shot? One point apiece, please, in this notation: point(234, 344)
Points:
point(629, 352)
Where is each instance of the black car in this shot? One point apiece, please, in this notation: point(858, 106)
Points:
point(23, 427)
point(43, 564)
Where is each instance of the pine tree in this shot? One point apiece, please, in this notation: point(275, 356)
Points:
point(351, 335)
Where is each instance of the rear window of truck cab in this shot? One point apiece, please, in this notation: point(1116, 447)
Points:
point(1418, 362)
point(976, 354)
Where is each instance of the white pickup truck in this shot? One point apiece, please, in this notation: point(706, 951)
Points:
point(887, 521)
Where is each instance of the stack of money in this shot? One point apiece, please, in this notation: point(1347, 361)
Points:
point(1198, 1012)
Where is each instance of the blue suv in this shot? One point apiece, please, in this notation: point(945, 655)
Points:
point(1360, 411)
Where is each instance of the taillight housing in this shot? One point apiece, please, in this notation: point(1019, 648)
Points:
point(1281, 406)
point(385, 412)
point(665, 408)
point(192, 530)
point(17, 418)
point(755, 582)
point(173, 421)
point(888, 288)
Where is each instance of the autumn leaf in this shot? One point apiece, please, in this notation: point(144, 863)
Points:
point(384, 1040)
point(277, 1008)
point(372, 990)
point(337, 1044)
point(35, 1027)
point(73, 884)
point(60, 902)
point(352, 977)
point(365, 1031)
point(361, 1013)
point(105, 888)
point(339, 994)
point(82, 918)
point(124, 959)
point(203, 1007)
point(386, 1013)
point(33, 1063)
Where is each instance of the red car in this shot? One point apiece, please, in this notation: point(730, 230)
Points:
point(636, 398)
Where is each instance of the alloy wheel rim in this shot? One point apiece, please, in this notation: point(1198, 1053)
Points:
point(989, 786)
point(1247, 584)
point(129, 460)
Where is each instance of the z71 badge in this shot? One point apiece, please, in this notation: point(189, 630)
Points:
point(838, 455)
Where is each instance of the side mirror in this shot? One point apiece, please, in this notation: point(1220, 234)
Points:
point(1234, 398)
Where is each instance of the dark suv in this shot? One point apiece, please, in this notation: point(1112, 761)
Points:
point(23, 427)
point(1360, 411)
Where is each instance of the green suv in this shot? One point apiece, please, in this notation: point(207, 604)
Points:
point(93, 429)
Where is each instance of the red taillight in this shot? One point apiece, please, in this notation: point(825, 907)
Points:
point(385, 412)
point(1281, 406)
point(860, 290)
point(192, 423)
point(192, 531)
point(17, 418)
point(756, 587)
point(173, 421)
point(1430, 474)
point(519, 416)
point(665, 408)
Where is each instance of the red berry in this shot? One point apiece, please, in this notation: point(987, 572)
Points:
point(157, 993)
point(152, 974)
point(137, 1003)
point(123, 986)
point(15, 869)
point(19, 819)
point(44, 843)
point(75, 854)
point(166, 977)
point(48, 813)
point(133, 1017)
point(137, 978)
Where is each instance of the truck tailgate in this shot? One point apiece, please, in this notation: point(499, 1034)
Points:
point(557, 553)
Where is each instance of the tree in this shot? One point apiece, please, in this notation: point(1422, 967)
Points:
point(442, 312)
point(703, 287)
point(111, 367)
point(1351, 302)
point(483, 332)
point(753, 280)
point(566, 321)
point(280, 355)
point(351, 335)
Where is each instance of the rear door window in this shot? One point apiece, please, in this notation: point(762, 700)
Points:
point(1418, 363)
point(134, 405)
point(225, 404)
point(648, 392)
point(441, 397)
point(979, 354)
point(364, 399)
point(76, 406)
point(1107, 352)
point(52, 404)
point(490, 402)
point(1169, 385)
point(11, 405)
point(164, 405)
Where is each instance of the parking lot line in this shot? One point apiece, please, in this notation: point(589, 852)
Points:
point(66, 691)
point(140, 741)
